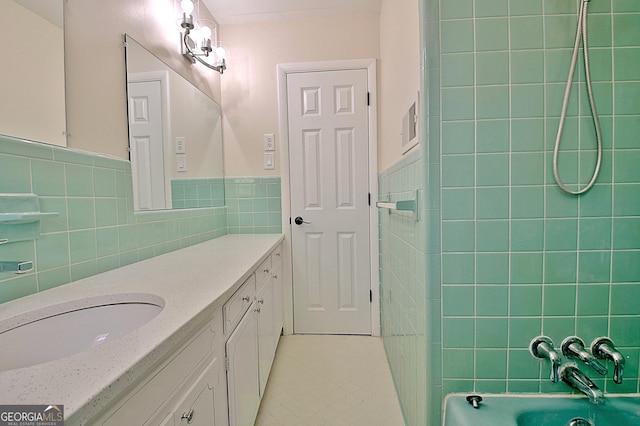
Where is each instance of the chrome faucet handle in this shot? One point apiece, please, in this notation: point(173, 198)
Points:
point(542, 347)
point(573, 347)
point(603, 348)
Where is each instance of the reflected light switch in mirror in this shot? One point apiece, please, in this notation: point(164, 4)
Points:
point(181, 161)
point(181, 145)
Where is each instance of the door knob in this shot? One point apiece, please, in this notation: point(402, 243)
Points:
point(188, 416)
point(299, 221)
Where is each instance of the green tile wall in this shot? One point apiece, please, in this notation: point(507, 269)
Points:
point(402, 282)
point(199, 192)
point(507, 255)
point(254, 205)
point(96, 229)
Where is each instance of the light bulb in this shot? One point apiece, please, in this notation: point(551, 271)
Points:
point(187, 6)
point(205, 32)
point(220, 53)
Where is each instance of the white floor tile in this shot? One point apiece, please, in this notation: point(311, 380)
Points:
point(330, 380)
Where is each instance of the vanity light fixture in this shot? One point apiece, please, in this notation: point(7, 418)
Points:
point(196, 41)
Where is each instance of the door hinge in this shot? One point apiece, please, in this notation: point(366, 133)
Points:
point(226, 363)
point(369, 198)
point(289, 220)
point(368, 98)
point(370, 296)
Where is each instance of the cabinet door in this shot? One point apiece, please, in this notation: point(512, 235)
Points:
point(278, 300)
point(242, 374)
point(203, 404)
point(266, 334)
point(168, 421)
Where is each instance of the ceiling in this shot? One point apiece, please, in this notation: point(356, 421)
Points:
point(241, 11)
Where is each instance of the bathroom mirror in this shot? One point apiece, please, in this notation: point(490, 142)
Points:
point(175, 136)
point(32, 83)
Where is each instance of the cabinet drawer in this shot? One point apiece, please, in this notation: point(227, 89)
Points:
point(276, 255)
point(238, 304)
point(263, 272)
point(147, 400)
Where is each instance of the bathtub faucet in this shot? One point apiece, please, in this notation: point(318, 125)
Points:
point(603, 348)
point(573, 347)
point(542, 347)
point(576, 379)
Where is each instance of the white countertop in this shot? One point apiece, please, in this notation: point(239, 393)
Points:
point(191, 281)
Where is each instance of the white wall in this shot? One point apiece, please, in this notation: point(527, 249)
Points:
point(399, 74)
point(95, 69)
point(96, 101)
point(249, 87)
point(32, 76)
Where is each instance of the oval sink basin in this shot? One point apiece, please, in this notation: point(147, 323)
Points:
point(69, 328)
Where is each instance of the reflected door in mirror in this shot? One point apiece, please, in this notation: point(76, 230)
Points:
point(148, 139)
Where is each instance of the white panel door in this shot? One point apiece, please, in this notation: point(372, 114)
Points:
point(329, 149)
point(146, 144)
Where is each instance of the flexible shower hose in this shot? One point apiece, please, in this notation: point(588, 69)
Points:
point(581, 34)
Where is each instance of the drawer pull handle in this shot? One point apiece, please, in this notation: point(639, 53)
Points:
point(261, 301)
point(275, 277)
point(246, 298)
point(266, 271)
point(188, 416)
point(257, 310)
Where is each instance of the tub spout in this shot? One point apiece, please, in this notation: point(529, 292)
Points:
point(576, 379)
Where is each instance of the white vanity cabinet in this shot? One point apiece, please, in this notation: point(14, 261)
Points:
point(187, 389)
point(242, 371)
point(251, 347)
point(267, 341)
point(278, 292)
point(203, 404)
point(214, 370)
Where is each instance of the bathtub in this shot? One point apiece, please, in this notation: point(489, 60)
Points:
point(542, 410)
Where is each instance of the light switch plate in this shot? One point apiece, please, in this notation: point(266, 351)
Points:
point(269, 161)
point(181, 145)
point(269, 142)
point(181, 161)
